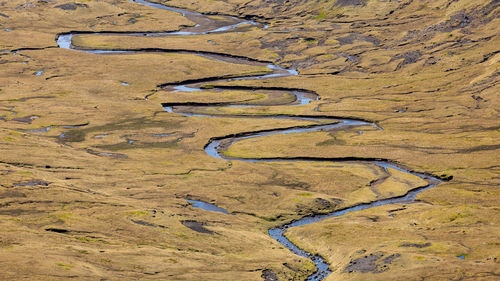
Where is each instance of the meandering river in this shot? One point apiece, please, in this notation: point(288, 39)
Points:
point(206, 25)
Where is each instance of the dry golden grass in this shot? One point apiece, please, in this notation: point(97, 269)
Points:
point(106, 200)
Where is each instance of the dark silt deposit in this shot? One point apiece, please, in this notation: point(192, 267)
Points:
point(33, 183)
point(197, 226)
point(71, 6)
point(374, 263)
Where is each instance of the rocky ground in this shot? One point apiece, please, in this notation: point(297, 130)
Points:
point(94, 176)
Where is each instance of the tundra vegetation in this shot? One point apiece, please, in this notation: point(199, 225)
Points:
point(95, 173)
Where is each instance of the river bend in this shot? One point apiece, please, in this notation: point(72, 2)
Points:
point(205, 25)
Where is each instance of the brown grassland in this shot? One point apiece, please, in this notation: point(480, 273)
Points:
point(94, 177)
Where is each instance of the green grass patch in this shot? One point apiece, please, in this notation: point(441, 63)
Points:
point(306, 194)
point(138, 213)
point(66, 267)
point(321, 16)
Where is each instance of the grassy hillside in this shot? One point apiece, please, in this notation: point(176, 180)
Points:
point(94, 176)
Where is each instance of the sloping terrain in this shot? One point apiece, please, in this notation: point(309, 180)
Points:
point(95, 173)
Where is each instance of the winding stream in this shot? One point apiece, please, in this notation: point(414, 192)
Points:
point(205, 25)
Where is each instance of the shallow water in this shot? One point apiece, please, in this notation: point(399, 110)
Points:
point(206, 206)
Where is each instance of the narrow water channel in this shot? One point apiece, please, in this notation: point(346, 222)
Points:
point(205, 25)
